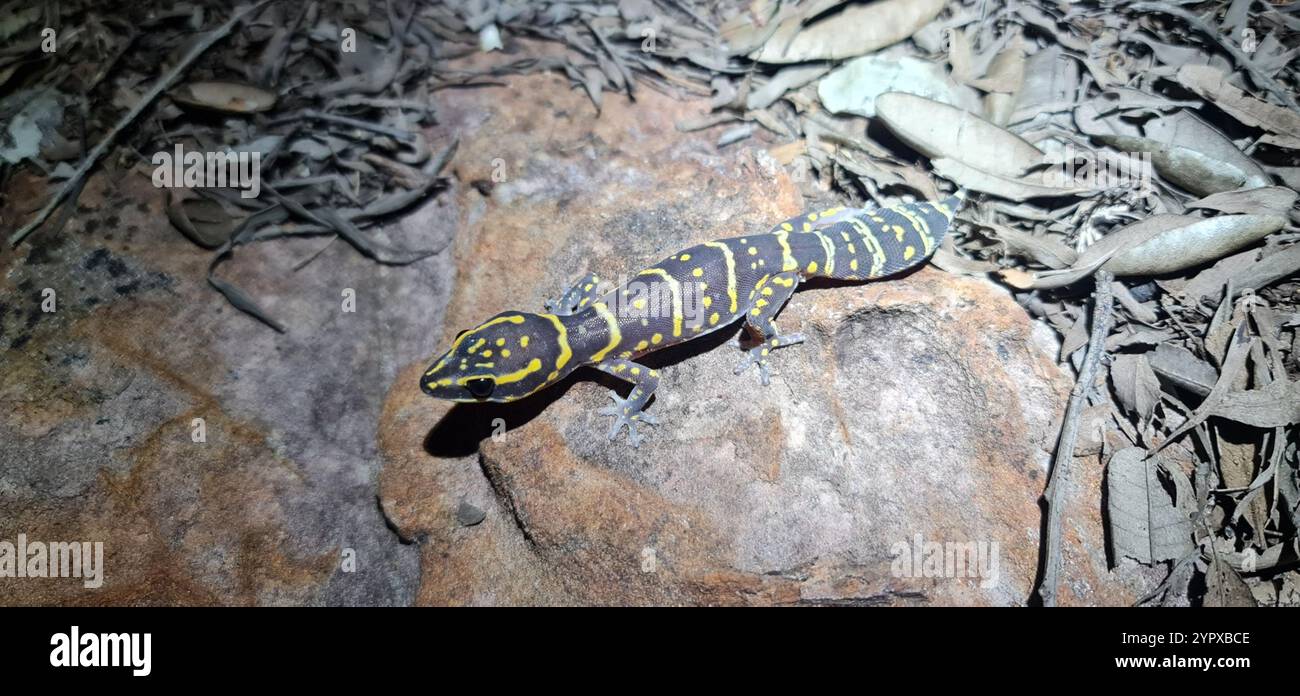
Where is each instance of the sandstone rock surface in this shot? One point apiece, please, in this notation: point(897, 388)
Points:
point(919, 410)
point(921, 406)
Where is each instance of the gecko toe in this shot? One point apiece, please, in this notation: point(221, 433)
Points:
point(621, 412)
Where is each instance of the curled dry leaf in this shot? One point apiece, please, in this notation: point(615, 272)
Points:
point(228, 97)
point(938, 130)
point(853, 31)
point(204, 221)
point(783, 81)
point(1212, 84)
point(1136, 384)
point(1183, 148)
point(1272, 406)
point(1005, 77)
point(1189, 168)
point(1181, 367)
point(1044, 250)
point(960, 265)
point(1013, 188)
point(244, 302)
point(1169, 243)
point(1276, 200)
point(1006, 72)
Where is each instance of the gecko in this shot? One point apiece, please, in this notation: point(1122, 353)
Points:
point(698, 290)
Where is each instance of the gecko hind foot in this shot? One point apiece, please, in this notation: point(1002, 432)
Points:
point(758, 355)
point(621, 410)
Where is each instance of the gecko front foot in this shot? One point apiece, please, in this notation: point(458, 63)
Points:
point(625, 412)
point(758, 355)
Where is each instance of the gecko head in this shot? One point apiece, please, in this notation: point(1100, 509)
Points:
point(505, 358)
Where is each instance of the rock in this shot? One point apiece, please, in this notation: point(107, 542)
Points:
point(919, 411)
point(468, 515)
point(99, 401)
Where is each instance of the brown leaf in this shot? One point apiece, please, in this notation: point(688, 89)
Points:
point(230, 97)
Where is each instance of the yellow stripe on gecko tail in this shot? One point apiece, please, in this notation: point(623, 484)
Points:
point(918, 224)
point(873, 244)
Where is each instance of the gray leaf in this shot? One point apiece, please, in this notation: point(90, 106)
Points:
point(1144, 523)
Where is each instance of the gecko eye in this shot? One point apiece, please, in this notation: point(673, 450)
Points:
point(481, 387)
point(462, 333)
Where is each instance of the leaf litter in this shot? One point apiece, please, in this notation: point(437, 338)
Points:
point(1131, 169)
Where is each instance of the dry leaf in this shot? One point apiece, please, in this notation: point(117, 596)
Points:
point(938, 130)
point(1213, 85)
point(1145, 525)
point(856, 30)
point(230, 97)
point(1169, 243)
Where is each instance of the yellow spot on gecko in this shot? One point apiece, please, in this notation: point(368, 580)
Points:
point(657, 339)
point(697, 272)
point(685, 257)
point(898, 232)
point(707, 301)
point(908, 253)
point(753, 250)
point(523, 341)
point(812, 266)
point(505, 352)
point(713, 319)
